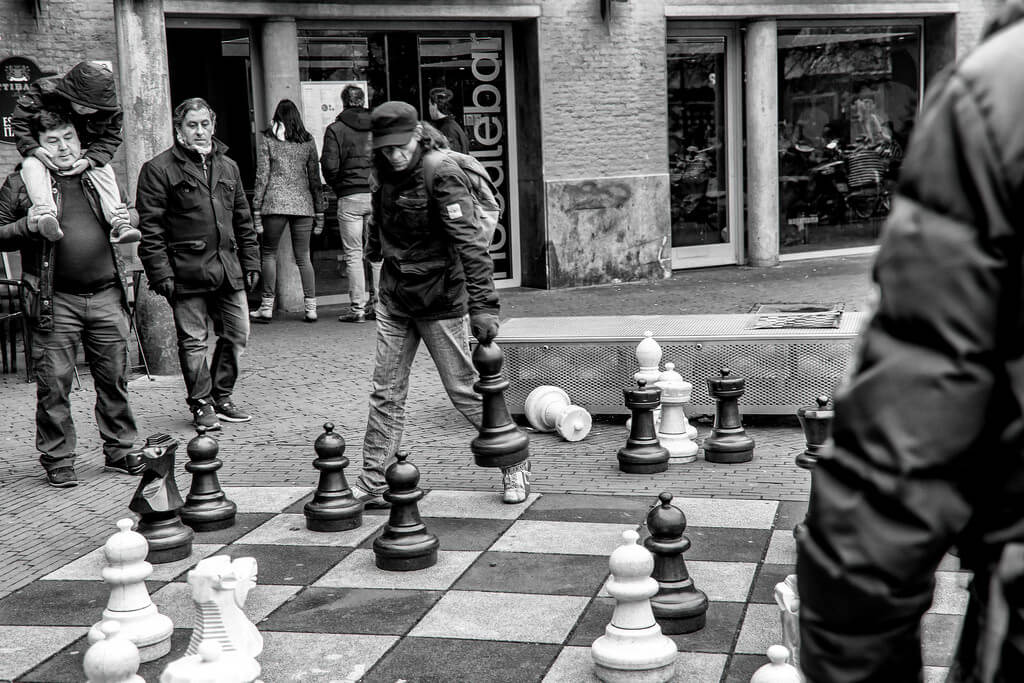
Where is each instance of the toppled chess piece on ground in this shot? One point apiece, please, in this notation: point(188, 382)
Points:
point(633, 648)
point(674, 428)
point(220, 587)
point(333, 507)
point(548, 409)
point(817, 425)
point(787, 597)
point(679, 606)
point(206, 507)
point(404, 544)
point(113, 658)
point(157, 502)
point(500, 442)
point(777, 670)
point(129, 604)
point(642, 453)
point(208, 665)
point(728, 442)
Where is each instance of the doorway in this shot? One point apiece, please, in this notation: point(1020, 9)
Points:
point(704, 146)
point(214, 63)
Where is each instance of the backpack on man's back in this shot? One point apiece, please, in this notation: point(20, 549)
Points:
point(488, 202)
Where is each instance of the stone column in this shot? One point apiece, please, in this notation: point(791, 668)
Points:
point(146, 99)
point(279, 54)
point(762, 114)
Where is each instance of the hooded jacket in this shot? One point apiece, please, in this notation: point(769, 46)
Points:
point(87, 84)
point(929, 428)
point(195, 221)
point(347, 152)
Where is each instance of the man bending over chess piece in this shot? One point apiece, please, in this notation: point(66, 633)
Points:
point(929, 429)
point(436, 283)
point(76, 293)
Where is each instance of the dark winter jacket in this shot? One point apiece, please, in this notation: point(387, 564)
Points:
point(929, 429)
point(88, 85)
point(38, 255)
point(435, 264)
point(457, 138)
point(195, 221)
point(347, 152)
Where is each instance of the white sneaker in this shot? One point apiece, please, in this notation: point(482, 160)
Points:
point(370, 501)
point(516, 482)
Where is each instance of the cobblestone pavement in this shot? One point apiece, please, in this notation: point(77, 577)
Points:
point(296, 376)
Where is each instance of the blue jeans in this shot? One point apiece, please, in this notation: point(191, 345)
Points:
point(353, 210)
point(273, 228)
point(100, 322)
point(398, 339)
point(229, 312)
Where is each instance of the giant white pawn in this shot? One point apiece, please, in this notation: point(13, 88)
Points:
point(672, 430)
point(633, 649)
point(129, 603)
point(114, 659)
point(777, 670)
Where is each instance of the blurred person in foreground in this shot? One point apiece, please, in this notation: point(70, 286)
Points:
point(928, 448)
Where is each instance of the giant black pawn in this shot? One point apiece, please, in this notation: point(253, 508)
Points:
point(643, 453)
point(206, 507)
point(817, 424)
point(404, 544)
point(679, 606)
point(333, 507)
point(157, 501)
point(500, 442)
point(728, 442)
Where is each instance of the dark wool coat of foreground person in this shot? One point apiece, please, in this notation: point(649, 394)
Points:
point(928, 449)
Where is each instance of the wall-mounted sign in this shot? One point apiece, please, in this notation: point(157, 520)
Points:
point(16, 73)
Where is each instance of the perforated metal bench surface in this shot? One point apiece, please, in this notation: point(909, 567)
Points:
point(594, 357)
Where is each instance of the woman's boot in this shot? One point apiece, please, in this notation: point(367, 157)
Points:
point(310, 302)
point(265, 312)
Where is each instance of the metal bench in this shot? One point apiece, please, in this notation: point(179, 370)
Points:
point(593, 358)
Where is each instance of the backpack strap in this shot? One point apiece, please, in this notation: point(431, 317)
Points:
point(431, 160)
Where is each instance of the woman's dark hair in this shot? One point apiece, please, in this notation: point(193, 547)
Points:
point(287, 114)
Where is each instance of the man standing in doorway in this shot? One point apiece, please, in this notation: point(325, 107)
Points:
point(345, 162)
point(75, 287)
point(199, 250)
point(441, 117)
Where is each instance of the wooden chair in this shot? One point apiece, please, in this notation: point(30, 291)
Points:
point(13, 318)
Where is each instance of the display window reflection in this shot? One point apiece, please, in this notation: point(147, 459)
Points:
point(696, 140)
point(848, 99)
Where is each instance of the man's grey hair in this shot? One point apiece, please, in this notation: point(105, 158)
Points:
point(192, 104)
point(352, 96)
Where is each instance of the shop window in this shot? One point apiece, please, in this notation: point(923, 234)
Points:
point(848, 98)
point(696, 140)
point(407, 65)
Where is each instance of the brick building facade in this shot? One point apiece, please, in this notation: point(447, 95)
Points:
point(565, 99)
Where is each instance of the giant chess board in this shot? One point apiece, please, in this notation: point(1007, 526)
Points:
point(517, 593)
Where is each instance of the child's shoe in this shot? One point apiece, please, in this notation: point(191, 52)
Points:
point(122, 232)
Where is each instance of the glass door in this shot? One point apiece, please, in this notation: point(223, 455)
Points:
point(704, 168)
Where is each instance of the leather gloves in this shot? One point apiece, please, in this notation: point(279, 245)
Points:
point(164, 288)
point(252, 278)
point(484, 326)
